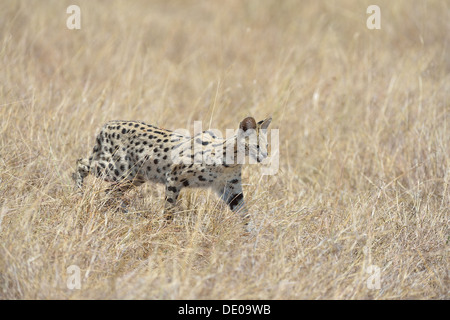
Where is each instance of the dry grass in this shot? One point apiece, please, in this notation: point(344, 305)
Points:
point(364, 148)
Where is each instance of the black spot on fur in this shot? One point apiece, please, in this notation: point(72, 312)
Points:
point(172, 189)
point(235, 200)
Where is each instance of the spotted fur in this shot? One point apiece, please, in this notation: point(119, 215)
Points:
point(130, 153)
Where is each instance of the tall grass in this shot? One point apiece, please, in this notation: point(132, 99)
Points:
point(363, 117)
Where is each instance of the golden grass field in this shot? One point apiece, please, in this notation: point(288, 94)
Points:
point(363, 118)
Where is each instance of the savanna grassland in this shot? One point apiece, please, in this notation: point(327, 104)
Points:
point(359, 208)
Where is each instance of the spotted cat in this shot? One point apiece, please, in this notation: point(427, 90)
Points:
point(130, 153)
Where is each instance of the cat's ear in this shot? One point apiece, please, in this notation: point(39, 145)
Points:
point(264, 124)
point(247, 123)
